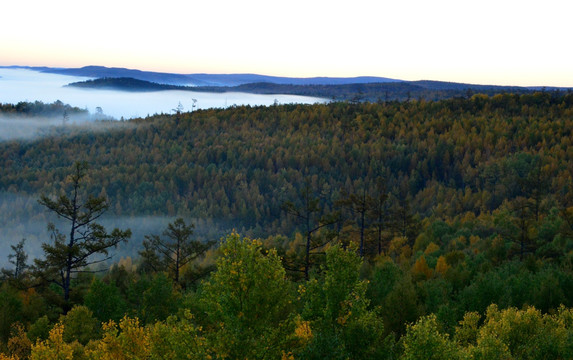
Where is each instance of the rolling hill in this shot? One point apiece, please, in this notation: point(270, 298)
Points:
point(206, 79)
point(355, 92)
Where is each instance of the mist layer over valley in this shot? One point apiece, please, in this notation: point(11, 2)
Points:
point(22, 217)
point(18, 85)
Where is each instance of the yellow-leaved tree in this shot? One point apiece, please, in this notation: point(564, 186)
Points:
point(128, 340)
point(53, 348)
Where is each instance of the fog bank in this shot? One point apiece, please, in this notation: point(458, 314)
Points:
point(22, 217)
point(18, 85)
point(30, 128)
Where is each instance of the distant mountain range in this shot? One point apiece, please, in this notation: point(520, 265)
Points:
point(203, 79)
point(364, 88)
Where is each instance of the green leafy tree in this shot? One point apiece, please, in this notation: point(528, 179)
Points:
point(337, 308)
point(10, 310)
point(105, 301)
point(71, 254)
point(153, 298)
point(248, 301)
point(159, 300)
point(525, 334)
point(178, 338)
point(80, 325)
point(423, 340)
point(40, 329)
point(392, 290)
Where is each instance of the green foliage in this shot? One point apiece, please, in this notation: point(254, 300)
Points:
point(40, 329)
point(80, 325)
point(338, 310)
point(10, 310)
point(153, 298)
point(436, 295)
point(524, 334)
point(513, 284)
point(105, 301)
point(160, 300)
point(385, 275)
point(339, 286)
point(468, 330)
point(401, 305)
point(177, 339)
point(248, 301)
point(423, 340)
point(491, 348)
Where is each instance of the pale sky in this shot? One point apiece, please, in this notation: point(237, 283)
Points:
point(503, 42)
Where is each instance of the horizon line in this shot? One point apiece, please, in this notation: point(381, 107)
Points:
point(37, 68)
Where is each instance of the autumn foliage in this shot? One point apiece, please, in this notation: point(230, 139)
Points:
point(434, 230)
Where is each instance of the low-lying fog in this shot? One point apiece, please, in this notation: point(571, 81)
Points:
point(27, 85)
point(18, 85)
point(22, 128)
point(22, 217)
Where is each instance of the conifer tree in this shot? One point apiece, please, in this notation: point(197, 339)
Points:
point(175, 249)
point(74, 253)
point(309, 215)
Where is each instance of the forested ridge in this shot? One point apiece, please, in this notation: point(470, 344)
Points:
point(241, 164)
point(371, 91)
point(397, 229)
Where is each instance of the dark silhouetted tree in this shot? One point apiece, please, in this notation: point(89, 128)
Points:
point(378, 212)
point(74, 253)
point(310, 215)
point(358, 205)
point(18, 258)
point(174, 249)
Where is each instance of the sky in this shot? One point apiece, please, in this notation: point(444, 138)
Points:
point(502, 42)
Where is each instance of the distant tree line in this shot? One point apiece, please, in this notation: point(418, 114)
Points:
point(356, 93)
point(38, 108)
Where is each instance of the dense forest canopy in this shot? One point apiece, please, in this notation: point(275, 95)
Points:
point(238, 165)
point(386, 230)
